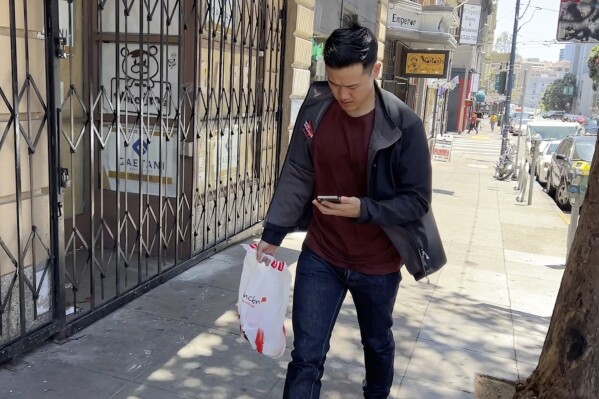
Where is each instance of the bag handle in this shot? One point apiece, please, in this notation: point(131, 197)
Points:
point(270, 260)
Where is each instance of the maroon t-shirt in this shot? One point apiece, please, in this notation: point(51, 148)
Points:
point(340, 156)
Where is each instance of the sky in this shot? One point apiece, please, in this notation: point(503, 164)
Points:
point(536, 39)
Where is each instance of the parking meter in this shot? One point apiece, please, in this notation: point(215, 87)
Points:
point(534, 154)
point(579, 180)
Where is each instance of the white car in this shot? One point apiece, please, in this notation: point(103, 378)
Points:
point(547, 129)
point(518, 128)
point(546, 150)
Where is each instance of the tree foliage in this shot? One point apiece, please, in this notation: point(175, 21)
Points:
point(503, 44)
point(560, 94)
point(593, 64)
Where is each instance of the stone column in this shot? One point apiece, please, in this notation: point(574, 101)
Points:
point(297, 59)
point(381, 31)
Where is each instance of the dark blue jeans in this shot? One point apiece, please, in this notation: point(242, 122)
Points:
point(320, 289)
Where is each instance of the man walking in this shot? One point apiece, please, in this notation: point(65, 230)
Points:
point(473, 122)
point(368, 151)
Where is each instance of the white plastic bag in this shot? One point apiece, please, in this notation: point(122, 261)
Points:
point(262, 303)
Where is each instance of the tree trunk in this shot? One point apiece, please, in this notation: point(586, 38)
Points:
point(569, 364)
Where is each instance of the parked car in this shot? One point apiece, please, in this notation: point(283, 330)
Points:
point(554, 114)
point(516, 128)
point(549, 130)
point(591, 127)
point(546, 150)
point(515, 116)
point(569, 151)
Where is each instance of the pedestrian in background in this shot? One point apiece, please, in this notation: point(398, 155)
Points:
point(473, 120)
point(365, 147)
point(479, 119)
point(493, 121)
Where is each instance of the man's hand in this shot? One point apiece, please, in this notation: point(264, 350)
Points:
point(349, 207)
point(264, 248)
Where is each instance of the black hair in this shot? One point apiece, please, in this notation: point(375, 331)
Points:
point(351, 45)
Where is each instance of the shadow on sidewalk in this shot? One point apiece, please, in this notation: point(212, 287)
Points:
point(182, 340)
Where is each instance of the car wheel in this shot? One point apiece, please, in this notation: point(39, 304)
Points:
point(561, 195)
point(542, 183)
point(550, 188)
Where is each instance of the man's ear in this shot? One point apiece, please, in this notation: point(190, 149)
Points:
point(376, 70)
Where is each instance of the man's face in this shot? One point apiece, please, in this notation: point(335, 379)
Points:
point(353, 87)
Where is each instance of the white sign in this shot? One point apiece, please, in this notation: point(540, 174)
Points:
point(469, 25)
point(442, 149)
point(400, 18)
point(141, 78)
point(139, 158)
point(474, 82)
point(221, 158)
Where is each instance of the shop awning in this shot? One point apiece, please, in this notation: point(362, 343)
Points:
point(424, 40)
point(422, 27)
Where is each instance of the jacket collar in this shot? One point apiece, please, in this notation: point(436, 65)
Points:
point(384, 133)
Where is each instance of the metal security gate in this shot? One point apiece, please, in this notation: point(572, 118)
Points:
point(161, 145)
point(28, 236)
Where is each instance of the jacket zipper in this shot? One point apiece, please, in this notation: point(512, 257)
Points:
point(424, 257)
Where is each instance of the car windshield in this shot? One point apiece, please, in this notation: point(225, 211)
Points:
point(553, 132)
point(584, 151)
point(552, 148)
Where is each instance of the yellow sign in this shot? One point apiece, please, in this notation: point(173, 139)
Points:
point(426, 64)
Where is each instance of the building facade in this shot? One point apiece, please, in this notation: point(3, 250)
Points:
point(469, 63)
point(138, 138)
point(418, 32)
point(586, 101)
point(567, 53)
point(540, 74)
point(141, 137)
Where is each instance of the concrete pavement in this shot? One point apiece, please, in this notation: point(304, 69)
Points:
point(485, 312)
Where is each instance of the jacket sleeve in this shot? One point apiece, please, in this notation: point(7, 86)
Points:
point(413, 175)
point(294, 189)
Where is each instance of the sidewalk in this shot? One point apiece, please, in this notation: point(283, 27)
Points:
point(487, 311)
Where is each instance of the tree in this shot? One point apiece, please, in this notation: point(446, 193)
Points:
point(569, 363)
point(593, 64)
point(503, 44)
point(560, 94)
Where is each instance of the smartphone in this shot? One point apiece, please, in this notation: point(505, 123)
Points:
point(330, 198)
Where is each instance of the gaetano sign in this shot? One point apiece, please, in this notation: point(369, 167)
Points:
point(425, 63)
point(139, 159)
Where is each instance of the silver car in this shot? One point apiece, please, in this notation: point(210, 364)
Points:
point(518, 128)
point(546, 150)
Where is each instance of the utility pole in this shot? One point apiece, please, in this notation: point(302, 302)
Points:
point(510, 77)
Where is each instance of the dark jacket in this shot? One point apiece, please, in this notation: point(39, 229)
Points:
point(399, 181)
